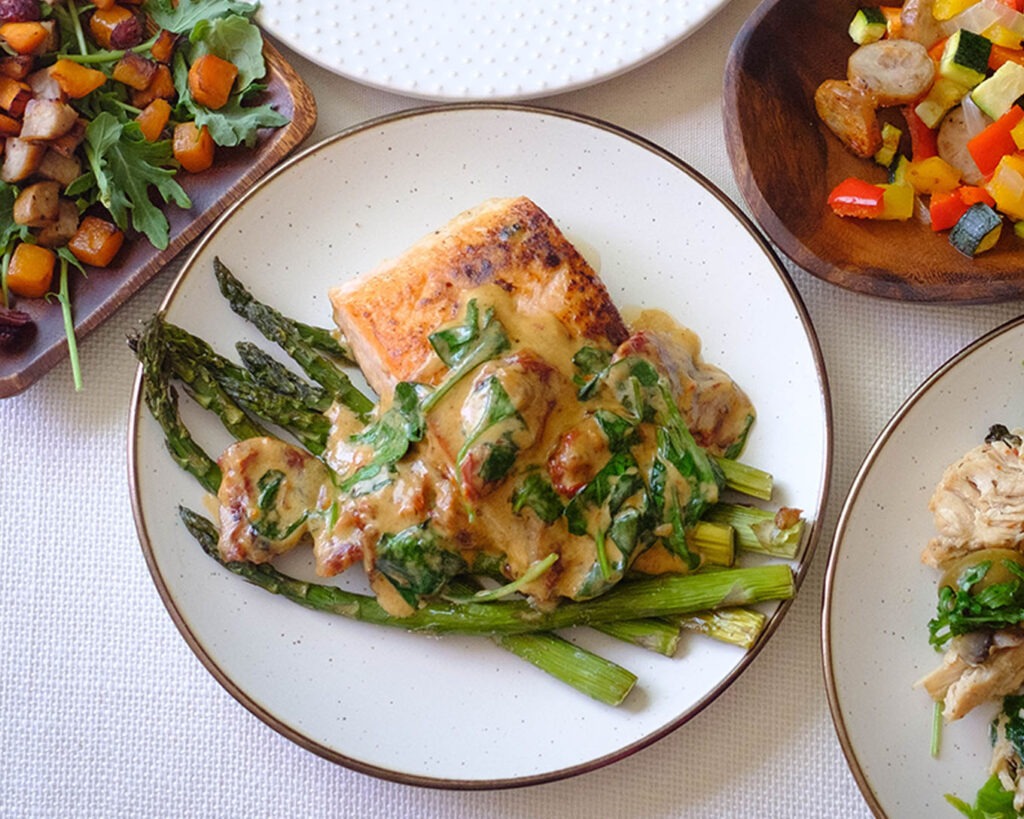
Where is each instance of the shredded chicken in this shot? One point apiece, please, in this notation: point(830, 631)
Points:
point(978, 504)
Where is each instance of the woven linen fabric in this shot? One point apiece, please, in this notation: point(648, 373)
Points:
point(106, 712)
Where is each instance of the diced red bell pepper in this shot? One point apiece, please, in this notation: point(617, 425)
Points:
point(923, 140)
point(945, 210)
point(1016, 5)
point(972, 194)
point(855, 197)
point(1000, 54)
point(994, 142)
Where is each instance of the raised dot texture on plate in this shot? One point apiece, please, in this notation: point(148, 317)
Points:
point(467, 50)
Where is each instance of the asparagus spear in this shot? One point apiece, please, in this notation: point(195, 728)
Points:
point(200, 384)
point(653, 634)
point(585, 671)
point(656, 597)
point(283, 331)
point(738, 626)
point(270, 373)
point(308, 426)
point(746, 478)
point(760, 530)
point(162, 401)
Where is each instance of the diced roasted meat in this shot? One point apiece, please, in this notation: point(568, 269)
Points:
point(966, 680)
point(979, 503)
point(1006, 761)
point(21, 159)
point(47, 119)
point(59, 232)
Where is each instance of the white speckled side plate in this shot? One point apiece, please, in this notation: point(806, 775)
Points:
point(466, 49)
point(458, 712)
point(879, 597)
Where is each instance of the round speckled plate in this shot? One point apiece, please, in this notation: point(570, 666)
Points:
point(458, 712)
point(465, 49)
point(879, 596)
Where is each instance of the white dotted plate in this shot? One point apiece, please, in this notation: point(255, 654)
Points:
point(879, 596)
point(464, 49)
point(406, 706)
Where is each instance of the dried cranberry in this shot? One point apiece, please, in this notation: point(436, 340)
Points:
point(16, 329)
point(19, 11)
point(128, 33)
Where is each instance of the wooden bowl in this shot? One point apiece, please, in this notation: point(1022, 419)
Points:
point(786, 161)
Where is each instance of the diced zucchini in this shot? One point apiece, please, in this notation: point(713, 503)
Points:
point(898, 203)
point(890, 144)
point(898, 170)
point(995, 95)
point(977, 231)
point(867, 26)
point(943, 95)
point(965, 58)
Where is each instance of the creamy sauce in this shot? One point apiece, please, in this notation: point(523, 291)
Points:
point(516, 416)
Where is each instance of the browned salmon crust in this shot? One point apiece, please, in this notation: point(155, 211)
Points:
point(387, 314)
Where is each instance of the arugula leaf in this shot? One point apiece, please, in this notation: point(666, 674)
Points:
point(10, 233)
point(235, 39)
point(127, 168)
point(189, 13)
point(238, 124)
point(234, 123)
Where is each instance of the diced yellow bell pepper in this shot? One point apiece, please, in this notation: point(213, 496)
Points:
point(1018, 230)
point(1002, 36)
point(1006, 186)
point(944, 9)
point(943, 95)
point(1017, 132)
point(898, 203)
point(933, 175)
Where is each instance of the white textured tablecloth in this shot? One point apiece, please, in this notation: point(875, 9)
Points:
point(104, 710)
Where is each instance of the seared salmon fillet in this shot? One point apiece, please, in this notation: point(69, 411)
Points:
point(387, 313)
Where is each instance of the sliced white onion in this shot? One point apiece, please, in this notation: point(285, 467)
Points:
point(975, 120)
point(921, 212)
point(982, 15)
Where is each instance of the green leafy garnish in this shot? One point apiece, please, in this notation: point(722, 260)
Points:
point(992, 802)
point(126, 168)
point(186, 14)
point(417, 562)
point(962, 609)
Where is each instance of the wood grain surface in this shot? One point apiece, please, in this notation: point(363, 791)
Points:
point(786, 161)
